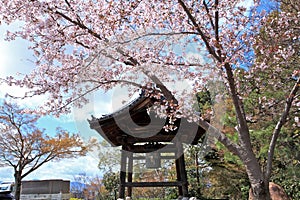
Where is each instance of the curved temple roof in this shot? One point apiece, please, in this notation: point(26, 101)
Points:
point(135, 124)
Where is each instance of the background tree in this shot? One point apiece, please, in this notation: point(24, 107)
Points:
point(213, 172)
point(79, 185)
point(111, 182)
point(109, 165)
point(86, 187)
point(25, 147)
point(95, 188)
point(194, 170)
point(109, 157)
point(82, 46)
point(143, 174)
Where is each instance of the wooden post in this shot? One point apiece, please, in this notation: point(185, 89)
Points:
point(183, 176)
point(177, 164)
point(182, 170)
point(122, 173)
point(130, 172)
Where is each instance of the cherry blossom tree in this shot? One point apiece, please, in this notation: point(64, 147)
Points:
point(84, 46)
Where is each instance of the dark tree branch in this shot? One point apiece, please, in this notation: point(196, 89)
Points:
point(208, 14)
point(241, 117)
point(201, 33)
point(217, 29)
point(278, 127)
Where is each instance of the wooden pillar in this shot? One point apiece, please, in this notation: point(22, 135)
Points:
point(183, 176)
point(130, 172)
point(122, 173)
point(182, 171)
point(178, 176)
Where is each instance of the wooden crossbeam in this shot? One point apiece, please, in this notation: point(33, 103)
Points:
point(153, 184)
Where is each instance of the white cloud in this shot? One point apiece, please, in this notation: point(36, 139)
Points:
point(17, 91)
point(99, 104)
point(67, 169)
point(64, 169)
point(196, 58)
point(14, 55)
point(16, 58)
point(247, 4)
point(6, 174)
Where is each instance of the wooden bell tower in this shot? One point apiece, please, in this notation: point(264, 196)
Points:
point(137, 131)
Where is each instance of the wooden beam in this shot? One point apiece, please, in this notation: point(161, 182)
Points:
point(153, 184)
point(132, 140)
point(161, 157)
point(162, 148)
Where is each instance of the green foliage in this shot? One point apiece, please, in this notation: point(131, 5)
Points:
point(111, 181)
point(224, 180)
point(262, 124)
point(171, 193)
point(260, 141)
point(286, 166)
point(289, 179)
point(167, 198)
point(109, 157)
point(194, 169)
point(215, 176)
point(203, 100)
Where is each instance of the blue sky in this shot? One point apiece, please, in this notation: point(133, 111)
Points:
point(15, 57)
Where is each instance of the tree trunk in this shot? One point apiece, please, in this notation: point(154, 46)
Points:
point(255, 174)
point(259, 192)
point(18, 183)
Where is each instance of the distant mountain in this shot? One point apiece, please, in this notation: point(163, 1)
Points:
point(77, 186)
